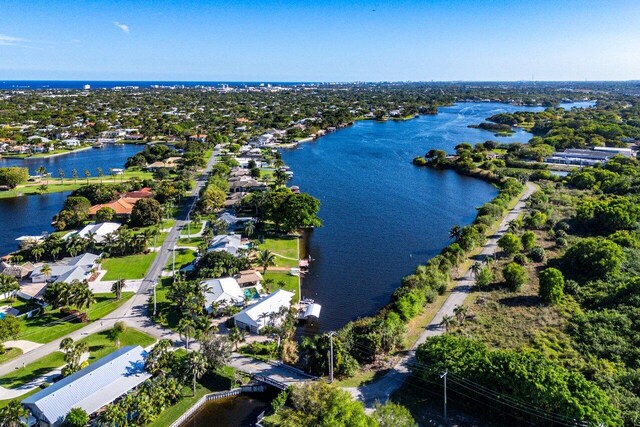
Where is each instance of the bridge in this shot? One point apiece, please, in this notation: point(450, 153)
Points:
point(275, 374)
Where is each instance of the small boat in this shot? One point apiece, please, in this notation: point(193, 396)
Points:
point(98, 145)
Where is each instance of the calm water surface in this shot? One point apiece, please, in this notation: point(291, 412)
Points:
point(238, 411)
point(32, 215)
point(382, 215)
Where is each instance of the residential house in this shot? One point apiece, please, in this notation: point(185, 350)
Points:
point(67, 269)
point(264, 312)
point(573, 156)
point(99, 231)
point(222, 292)
point(248, 278)
point(91, 388)
point(15, 270)
point(230, 243)
point(234, 221)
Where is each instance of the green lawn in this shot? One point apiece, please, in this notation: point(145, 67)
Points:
point(184, 257)
point(221, 380)
point(127, 267)
point(167, 317)
point(50, 326)
point(99, 346)
point(292, 283)
point(196, 226)
point(9, 354)
point(285, 246)
point(193, 242)
point(56, 186)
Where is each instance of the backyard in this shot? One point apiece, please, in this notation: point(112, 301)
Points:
point(128, 267)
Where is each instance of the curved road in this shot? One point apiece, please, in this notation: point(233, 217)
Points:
point(383, 388)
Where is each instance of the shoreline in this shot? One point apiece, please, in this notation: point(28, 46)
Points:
point(47, 156)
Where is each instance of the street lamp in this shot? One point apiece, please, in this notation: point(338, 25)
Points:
point(155, 284)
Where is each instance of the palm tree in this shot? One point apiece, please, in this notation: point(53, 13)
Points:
point(82, 296)
point(114, 333)
point(447, 322)
point(55, 251)
point(74, 175)
point(249, 228)
point(10, 285)
point(461, 312)
point(117, 287)
point(455, 232)
point(42, 171)
point(61, 175)
point(186, 329)
point(46, 271)
point(14, 415)
point(100, 174)
point(197, 366)
point(112, 175)
point(475, 268)
point(87, 174)
point(37, 252)
point(17, 259)
point(236, 336)
point(265, 259)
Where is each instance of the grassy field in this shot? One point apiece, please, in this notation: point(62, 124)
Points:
point(55, 185)
point(196, 226)
point(194, 242)
point(222, 380)
point(128, 267)
point(167, 315)
point(285, 246)
point(292, 283)
point(50, 326)
point(9, 354)
point(99, 346)
point(184, 257)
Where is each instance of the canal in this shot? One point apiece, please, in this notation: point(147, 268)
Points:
point(382, 215)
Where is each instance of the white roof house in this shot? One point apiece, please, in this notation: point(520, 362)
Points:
point(225, 291)
point(90, 388)
point(230, 243)
point(99, 230)
point(257, 316)
point(67, 269)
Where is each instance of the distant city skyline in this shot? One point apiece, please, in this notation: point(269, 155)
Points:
point(331, 41)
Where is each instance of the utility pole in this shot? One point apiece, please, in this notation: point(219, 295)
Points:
point(444, 376)
point(331, 356)
point(155, 283)
point(174, 261)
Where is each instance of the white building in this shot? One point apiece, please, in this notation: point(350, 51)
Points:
point(99, 231)
point(230, 243)
point(90, 388)
point(67, 269)
point(224, 291)
point(264, 312)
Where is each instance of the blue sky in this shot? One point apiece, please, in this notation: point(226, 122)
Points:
point(320, 40)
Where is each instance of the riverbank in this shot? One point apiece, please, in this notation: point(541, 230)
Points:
point(56, 153)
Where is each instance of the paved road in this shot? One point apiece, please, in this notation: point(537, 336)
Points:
point(381, 390)
point(134, 311)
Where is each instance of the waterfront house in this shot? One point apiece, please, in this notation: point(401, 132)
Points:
point(233, 200)
point(67, 269)
point(230, 243)
point(15, 270)
point(91, 388)
point(99, 231)
point(245, 184)
point(264, 312)
point(122, 207)
point(248, 278)
point(234, 221)
point(222, 292)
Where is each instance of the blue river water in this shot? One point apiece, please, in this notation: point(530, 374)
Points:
point(32, 215)
point(382, 215)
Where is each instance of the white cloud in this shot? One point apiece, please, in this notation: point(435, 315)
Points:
point(123, 27)
point(11, 41)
